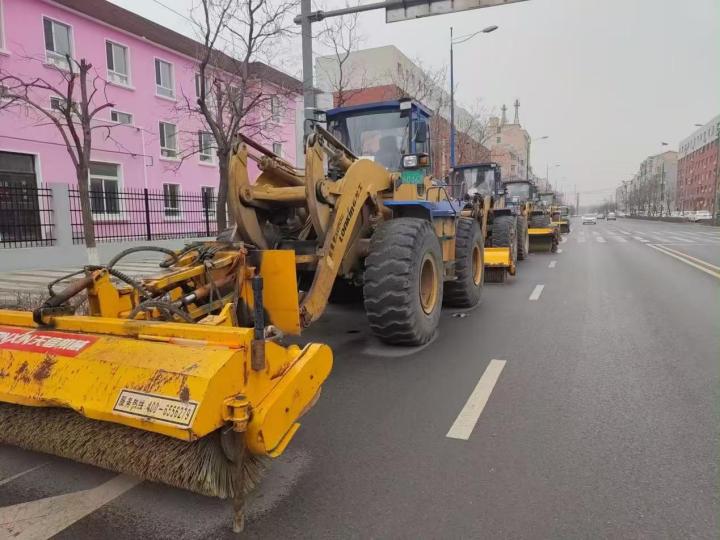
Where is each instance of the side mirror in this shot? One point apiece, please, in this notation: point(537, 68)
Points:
point(421, 132)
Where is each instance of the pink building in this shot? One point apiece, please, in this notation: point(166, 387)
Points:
point(150, 70)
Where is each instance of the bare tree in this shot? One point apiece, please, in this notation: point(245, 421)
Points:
point(78, 96)
point(341, 36)
point(472, 131)
point(231, 96)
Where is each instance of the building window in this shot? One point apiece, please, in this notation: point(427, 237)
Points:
point(206, 146)
point(118, 63)
point(277, 149)
point(171, 199)
point(497, 140)
point(2, 28)
point(164, 79)
point(59, 104)
point(208, 198)
point(104, 187)
point(275, 108)
point(168, 140)
point(58, 43)
point(121, 117)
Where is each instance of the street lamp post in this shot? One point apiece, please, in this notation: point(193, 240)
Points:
point(547, 173)
point(527, 156)
point(457, 41)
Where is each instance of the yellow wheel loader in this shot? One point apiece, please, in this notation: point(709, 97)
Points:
point(365, 214)
point(506, 235)
point(542, 235)
point(180, 378)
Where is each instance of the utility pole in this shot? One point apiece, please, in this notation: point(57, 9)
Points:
point(452, 103)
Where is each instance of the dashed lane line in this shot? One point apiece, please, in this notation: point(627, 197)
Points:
point(552, 264)
point(465, 422)
point(600, 239)
point(620, 239)
point(537, 291)
point(559, 251)
point(639, 238)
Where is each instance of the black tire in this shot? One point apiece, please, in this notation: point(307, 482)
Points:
point(504, 234)
point(464, 291)
point(523, 239)
point(400, 250)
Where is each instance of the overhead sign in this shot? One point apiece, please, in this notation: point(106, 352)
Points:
point(410, 9)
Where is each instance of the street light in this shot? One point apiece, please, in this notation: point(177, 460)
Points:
point(527, 156)
point(547, 172)
point(456, 41)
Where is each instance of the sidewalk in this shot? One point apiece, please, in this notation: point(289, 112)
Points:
point(33, 283)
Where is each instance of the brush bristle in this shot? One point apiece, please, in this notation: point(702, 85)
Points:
point(200, 466)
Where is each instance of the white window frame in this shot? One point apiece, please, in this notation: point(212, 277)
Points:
point(165, 150)
point(275, 108)
point(116, 111)
point(167, 208)
point(276, 151)
point(212, 207)
point(52, 57)
point(158, 87)
point(61, 98)
point(106, 216)
point(205, 158)
point(111, 73)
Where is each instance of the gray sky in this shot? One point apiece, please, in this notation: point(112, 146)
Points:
point(606, 80)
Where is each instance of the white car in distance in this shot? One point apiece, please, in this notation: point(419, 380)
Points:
point(589, 219)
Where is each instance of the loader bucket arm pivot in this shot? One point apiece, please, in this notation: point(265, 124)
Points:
point(363, 181)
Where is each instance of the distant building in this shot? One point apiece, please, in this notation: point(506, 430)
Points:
point(385, 73)
point(509, 145)
point(698, 169)
point(653, 189)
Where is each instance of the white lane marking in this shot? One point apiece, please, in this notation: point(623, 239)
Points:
point(465, 422)
point(600, 239)
point(639, 239)
point(537, 291)
point(44, 518)
point(18, 475)
point(624, 231)
point(559, 251)
point(620, 239)
point(552, 264)
point(563, 239)
point(682, 258)
point(595, 233)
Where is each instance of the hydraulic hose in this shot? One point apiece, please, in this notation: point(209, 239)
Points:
point(162, 306)
point(128, 251)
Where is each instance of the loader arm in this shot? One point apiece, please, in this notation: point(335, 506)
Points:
point(362, 182)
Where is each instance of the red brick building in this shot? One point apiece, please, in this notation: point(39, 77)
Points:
point(698, 169)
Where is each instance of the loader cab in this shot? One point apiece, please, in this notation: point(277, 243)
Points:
point(394, 134)
point(547, 198)
point(519, 192)
point(483, 179)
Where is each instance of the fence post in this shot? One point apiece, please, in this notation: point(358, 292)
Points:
point(62, 223)
point(206, 208)
point(148, 232)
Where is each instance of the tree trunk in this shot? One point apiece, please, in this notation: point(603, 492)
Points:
point(222, 192)
point(83, 171)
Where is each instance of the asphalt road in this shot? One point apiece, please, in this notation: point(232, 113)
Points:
point(602, 423)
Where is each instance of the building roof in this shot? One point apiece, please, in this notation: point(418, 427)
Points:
point(133, 23)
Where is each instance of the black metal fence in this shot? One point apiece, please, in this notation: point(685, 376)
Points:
point(143, 214)
point(26, 215)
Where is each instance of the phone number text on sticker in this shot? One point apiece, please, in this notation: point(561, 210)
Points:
point(42, 341)
point(160, 408)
